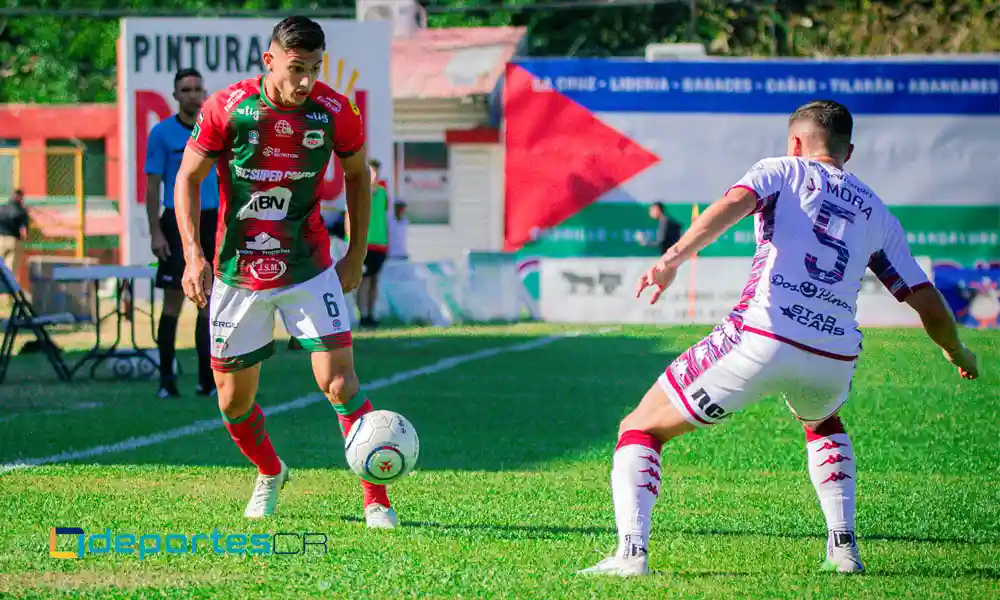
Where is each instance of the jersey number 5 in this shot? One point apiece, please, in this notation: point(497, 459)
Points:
point(827, 212)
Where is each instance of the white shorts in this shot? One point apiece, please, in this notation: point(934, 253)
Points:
point(242, 320)
point(732, 368)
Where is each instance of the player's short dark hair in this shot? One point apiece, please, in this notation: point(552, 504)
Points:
point(299, 33)
point(832, 117)
point(661, 206)
point(186, 73)
point(375, 164)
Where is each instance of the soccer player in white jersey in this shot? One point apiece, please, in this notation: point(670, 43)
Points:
point(793, 333)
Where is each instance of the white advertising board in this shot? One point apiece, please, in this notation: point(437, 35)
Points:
point(602, 290)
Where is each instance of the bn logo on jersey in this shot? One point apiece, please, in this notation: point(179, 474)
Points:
point(318, 116)
point(313, 138)
point(269, 205)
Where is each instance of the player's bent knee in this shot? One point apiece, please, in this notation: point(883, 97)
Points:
point(656, 416)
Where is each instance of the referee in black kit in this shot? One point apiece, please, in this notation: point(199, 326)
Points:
point(163, 158)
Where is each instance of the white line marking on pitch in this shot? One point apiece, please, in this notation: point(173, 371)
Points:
point(209, 424)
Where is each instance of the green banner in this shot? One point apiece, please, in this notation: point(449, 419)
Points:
point(964, 234)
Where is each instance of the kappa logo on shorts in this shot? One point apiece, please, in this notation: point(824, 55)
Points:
point(267, 268)
point(269, 205)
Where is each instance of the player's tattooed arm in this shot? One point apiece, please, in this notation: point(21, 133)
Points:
point(717, 218)
point(187, 205)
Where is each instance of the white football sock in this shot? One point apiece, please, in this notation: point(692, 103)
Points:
point(635, 484)
point(833, 473)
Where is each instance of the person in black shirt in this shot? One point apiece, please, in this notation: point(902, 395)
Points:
point(668, 229)
point(13, 224)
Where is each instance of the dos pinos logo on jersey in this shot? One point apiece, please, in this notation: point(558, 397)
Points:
point(313, 138)
point(268, 205)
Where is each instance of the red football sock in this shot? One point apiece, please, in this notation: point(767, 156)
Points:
point(251, 437)
point(372, 492)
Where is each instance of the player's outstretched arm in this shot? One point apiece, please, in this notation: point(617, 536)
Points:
point(197, 277)
point(940, 325)
point(717, 218)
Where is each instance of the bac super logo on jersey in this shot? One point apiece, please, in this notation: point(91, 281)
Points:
point(268, 205)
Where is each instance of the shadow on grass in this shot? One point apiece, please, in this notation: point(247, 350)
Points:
point(509, 410)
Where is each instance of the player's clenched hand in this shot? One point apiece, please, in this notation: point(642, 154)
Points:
point(965, 360)
point(659, 276)
point(197, 281)
point(349, 270)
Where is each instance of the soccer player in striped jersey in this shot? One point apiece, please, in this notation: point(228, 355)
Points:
point(269, 139)
point(794, 332)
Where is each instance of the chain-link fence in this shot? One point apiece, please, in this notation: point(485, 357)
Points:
point(71, 217)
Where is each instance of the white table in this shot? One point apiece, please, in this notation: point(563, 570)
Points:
point(124, 276)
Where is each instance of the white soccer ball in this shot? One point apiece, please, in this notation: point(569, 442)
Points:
point(382, 446)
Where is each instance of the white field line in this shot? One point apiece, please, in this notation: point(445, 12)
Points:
point(308, 400)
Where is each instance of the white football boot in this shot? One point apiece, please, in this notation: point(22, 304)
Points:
point(380, 517)
point(842, 553)
point(265, 493)
point(631, 561)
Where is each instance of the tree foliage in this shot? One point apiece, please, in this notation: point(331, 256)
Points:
point(61, 59)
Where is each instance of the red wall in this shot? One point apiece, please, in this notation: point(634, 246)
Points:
point(34, 124)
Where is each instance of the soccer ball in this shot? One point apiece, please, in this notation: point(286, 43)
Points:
point(382, 446)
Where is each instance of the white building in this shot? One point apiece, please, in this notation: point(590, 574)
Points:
point(449, 167)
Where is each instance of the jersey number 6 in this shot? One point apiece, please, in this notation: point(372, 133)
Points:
point(827, 212)
point(331, 305)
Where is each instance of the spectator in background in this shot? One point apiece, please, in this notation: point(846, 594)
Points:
point(13, 228)
point(397, 232)
point(668, 229)
point(378, 245)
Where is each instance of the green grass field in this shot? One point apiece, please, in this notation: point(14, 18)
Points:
point(511, 495)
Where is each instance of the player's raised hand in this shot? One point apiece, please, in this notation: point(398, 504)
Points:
point(965, 360)
point(659, 276)
point(349, 270)
point(197, 281)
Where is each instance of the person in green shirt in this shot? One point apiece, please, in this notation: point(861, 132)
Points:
point(378, 245)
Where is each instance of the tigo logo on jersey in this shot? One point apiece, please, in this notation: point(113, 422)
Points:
point(267, 268)
point(249, 111)
point(254, 137)
point(317, 116)
point(269, 205)
point(283, 128)
point(313, 138)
